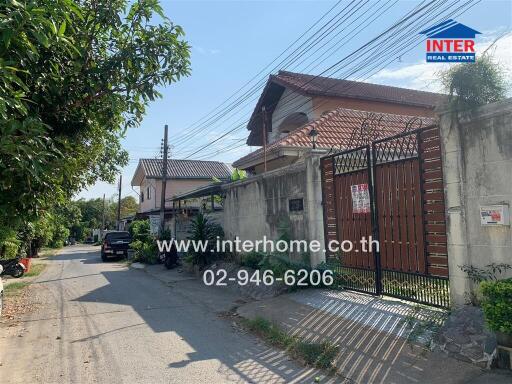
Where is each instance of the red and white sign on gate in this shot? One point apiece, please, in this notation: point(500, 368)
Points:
point(360, 198)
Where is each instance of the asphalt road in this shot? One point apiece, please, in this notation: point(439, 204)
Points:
point(97, 322)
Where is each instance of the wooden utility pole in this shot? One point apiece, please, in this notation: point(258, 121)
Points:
point(164, 182)
point(264, 119)
point(103, 219)
point(119, 204)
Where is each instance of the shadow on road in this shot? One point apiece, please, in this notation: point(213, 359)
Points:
point(191, 310)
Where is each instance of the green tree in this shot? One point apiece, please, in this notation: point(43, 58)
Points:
point(74, 75)
point(129, 206)
point(473, 84)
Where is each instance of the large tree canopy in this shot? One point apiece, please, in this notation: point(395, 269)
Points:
point(74, 75)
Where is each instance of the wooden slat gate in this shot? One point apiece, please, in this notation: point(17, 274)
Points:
point(405, 214)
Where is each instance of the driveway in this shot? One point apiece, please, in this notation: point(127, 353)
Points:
point(100, 322)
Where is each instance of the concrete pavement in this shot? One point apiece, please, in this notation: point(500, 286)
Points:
point(372, 336)
point(100, 322)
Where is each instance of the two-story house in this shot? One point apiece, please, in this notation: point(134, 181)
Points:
point(182, 176)
point(291, 101)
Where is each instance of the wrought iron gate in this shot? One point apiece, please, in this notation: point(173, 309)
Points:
point(398, 185)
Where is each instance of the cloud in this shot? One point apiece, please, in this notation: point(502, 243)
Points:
point(206, 51)
point(425, 76)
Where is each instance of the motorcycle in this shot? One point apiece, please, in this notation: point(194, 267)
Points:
point(169, 259)
point(12, 267)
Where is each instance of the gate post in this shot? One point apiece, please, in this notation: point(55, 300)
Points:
point(375, 218)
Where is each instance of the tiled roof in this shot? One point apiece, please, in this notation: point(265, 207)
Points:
point(328, 86)
point(341, 129)
point(186, 169)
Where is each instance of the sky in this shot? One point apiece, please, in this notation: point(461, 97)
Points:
point(233, 41)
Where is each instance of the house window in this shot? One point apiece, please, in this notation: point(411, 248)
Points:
point(148, 193)
point(142, 197)
point(296, 205)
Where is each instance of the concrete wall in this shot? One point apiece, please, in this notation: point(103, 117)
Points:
point(477, 164)
point(258, 206)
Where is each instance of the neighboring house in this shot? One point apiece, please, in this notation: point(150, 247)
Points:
point(182, 176)
point(294, 100)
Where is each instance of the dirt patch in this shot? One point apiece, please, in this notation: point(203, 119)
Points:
point(18, 303)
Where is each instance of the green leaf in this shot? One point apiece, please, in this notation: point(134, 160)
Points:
point(41, 38)
point(62, 28)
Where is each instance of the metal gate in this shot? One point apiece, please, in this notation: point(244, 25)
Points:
point(391, 190)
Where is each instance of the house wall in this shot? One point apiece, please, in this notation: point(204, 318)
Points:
point(290, 102)
point(477, 164)
point(174, 187)
point(258, 207)
point(275, 164)
point(324, 104)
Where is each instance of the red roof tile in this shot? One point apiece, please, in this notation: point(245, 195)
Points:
point(328, 86)
point(341, 128)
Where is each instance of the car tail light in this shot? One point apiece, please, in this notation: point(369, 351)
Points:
point(105, 244)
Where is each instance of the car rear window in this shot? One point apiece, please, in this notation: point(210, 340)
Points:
point(118, 236)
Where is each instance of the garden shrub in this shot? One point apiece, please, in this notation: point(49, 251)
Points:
point(497, 305)
point(9, 243)
point(203, 229)
point(252, 259)
point(143, 243)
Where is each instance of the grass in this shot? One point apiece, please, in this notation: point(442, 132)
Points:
point(13, 288)
point(48, 252)
point(319, 355)
point(35, 270)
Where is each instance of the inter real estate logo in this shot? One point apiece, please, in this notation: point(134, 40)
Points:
point(450, 42)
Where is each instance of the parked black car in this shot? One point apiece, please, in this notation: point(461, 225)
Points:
point(115, 244)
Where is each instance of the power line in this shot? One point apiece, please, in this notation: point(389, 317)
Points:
point(339, 62)
point(320, 74)
point(244, 97)
point(268, 65)
point(360, 49)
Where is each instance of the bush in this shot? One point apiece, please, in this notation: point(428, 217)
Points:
point(9, 248)
point(252, 259)
point(473, 84)
point(140, 230)
point(202, 229)
point(9, 243)
point(143, 243)
point(497, 305)
point(145, 252)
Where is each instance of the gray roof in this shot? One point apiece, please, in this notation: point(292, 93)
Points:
point(186, 169)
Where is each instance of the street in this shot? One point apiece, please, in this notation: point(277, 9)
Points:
point(106, 323)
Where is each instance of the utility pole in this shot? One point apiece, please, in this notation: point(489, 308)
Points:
point(164, 181)
point(119, 204)
point(103, 217)
point(264, 119)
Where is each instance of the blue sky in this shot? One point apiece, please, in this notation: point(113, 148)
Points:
point(233, 40)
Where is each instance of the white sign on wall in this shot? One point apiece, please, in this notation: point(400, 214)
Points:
point(360, 198)
point(494, 215)
point(154, 224)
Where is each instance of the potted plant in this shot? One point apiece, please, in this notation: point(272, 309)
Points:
point(497, 307)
